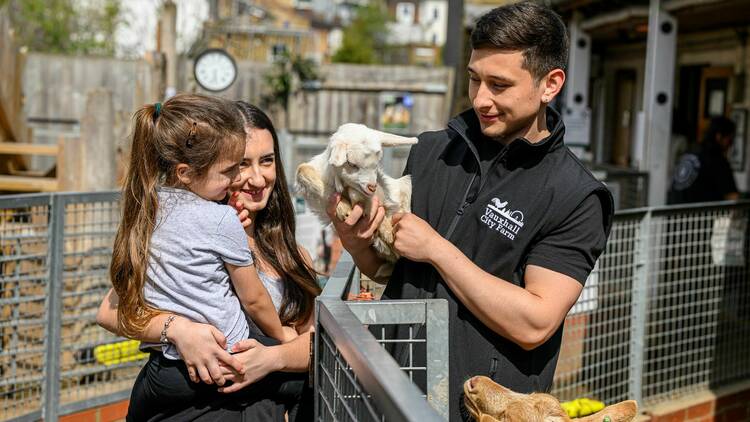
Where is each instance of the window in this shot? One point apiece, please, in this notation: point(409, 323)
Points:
point(405, 13)
point(277, 51)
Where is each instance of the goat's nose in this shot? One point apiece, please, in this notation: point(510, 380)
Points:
point(472, 382)
point(372, 187)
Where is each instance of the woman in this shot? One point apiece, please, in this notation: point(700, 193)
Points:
point(265, 208)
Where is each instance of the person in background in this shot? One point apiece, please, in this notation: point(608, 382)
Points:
point(704, 174)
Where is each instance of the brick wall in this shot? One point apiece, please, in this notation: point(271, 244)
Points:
point(730, 404)
point(113, 412)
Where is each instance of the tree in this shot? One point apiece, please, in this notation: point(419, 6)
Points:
point(66, 26)
point(288, 75)
point(364, 40)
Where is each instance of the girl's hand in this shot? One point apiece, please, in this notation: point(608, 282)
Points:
point(203, 348)
point(242, 213)
point(257, 362)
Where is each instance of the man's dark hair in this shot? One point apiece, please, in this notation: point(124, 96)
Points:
point(529, 27)
point(720, 125)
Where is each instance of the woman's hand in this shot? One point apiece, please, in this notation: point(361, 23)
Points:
point(257, 362)
point(203, 348)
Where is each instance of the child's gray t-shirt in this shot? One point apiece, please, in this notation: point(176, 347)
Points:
point(192, 241)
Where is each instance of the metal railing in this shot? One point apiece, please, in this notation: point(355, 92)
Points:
point(665, 313)
point(629, 187)
point(356, 379)
point(48, 332)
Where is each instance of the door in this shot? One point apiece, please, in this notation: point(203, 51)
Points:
point(714, 96)
point(624, 116)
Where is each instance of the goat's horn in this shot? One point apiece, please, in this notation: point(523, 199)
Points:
point(391, 140)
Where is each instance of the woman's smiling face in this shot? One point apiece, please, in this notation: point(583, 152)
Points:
point(257, 171)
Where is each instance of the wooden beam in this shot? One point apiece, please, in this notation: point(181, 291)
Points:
point(28, 149)
point(27, 184)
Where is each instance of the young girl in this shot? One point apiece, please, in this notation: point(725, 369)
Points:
point(177, 250)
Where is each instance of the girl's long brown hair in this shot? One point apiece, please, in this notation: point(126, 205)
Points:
point(193, 129)
point(274, 234)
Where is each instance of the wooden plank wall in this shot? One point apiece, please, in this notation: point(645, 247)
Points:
point(12, 121)
point(348, 93)
point(56, 88)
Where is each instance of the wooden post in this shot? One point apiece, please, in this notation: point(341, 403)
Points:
point(168, 44)
point(89, 163)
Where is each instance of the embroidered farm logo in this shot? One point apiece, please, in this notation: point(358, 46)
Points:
point(499, 218)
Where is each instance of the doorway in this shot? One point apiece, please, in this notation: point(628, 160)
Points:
point(625, 91)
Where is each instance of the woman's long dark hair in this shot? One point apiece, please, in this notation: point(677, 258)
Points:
point(274, 234)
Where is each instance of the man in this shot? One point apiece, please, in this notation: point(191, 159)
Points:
point(705, 174)
point(506, 223)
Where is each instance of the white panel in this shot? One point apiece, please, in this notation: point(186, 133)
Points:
point(658, 94)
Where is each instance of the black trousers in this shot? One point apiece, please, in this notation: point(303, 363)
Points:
point(163, 392)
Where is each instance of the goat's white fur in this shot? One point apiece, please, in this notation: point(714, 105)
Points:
point(351, 165)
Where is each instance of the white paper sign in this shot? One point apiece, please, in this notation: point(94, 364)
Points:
point(728, 241)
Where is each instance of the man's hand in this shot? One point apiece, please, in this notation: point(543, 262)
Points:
point(414, 238)
point(357, 231)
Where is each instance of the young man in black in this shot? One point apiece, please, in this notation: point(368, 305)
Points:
point(506, 222)
point(704, 174)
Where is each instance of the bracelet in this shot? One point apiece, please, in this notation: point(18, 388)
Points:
point(163, 339)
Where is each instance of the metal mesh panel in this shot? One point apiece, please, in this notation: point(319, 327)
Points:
point(698, 332)
point(410, 352)
point(340, 397)
point(23, 291)
point(594, 358)
point(87, 370)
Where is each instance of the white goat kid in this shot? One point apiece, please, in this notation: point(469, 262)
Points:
point(351, 165)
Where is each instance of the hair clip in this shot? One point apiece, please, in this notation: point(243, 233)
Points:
point(191, 136)
point(157, 110)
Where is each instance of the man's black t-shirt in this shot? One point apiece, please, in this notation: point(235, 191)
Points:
point(529, 204)
point(702, 176)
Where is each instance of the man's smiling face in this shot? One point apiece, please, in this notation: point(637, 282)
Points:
point(504, 95)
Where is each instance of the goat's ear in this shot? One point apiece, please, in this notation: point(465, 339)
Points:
point(621, 412)
point(337, 156)
point(391, 140)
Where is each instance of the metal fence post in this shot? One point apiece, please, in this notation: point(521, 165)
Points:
point(54, 308)
point(437, 355)
point(639, 307)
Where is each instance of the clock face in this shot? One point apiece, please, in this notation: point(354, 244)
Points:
point(215, 70)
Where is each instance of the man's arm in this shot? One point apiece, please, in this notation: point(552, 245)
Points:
point(528, 315)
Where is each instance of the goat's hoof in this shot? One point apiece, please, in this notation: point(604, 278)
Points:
point(343, 210)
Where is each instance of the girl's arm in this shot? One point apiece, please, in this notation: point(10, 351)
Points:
point(201, 346)
point(255, 300)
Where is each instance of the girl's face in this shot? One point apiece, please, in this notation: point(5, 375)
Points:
point(215, 184)
point(257, 171)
